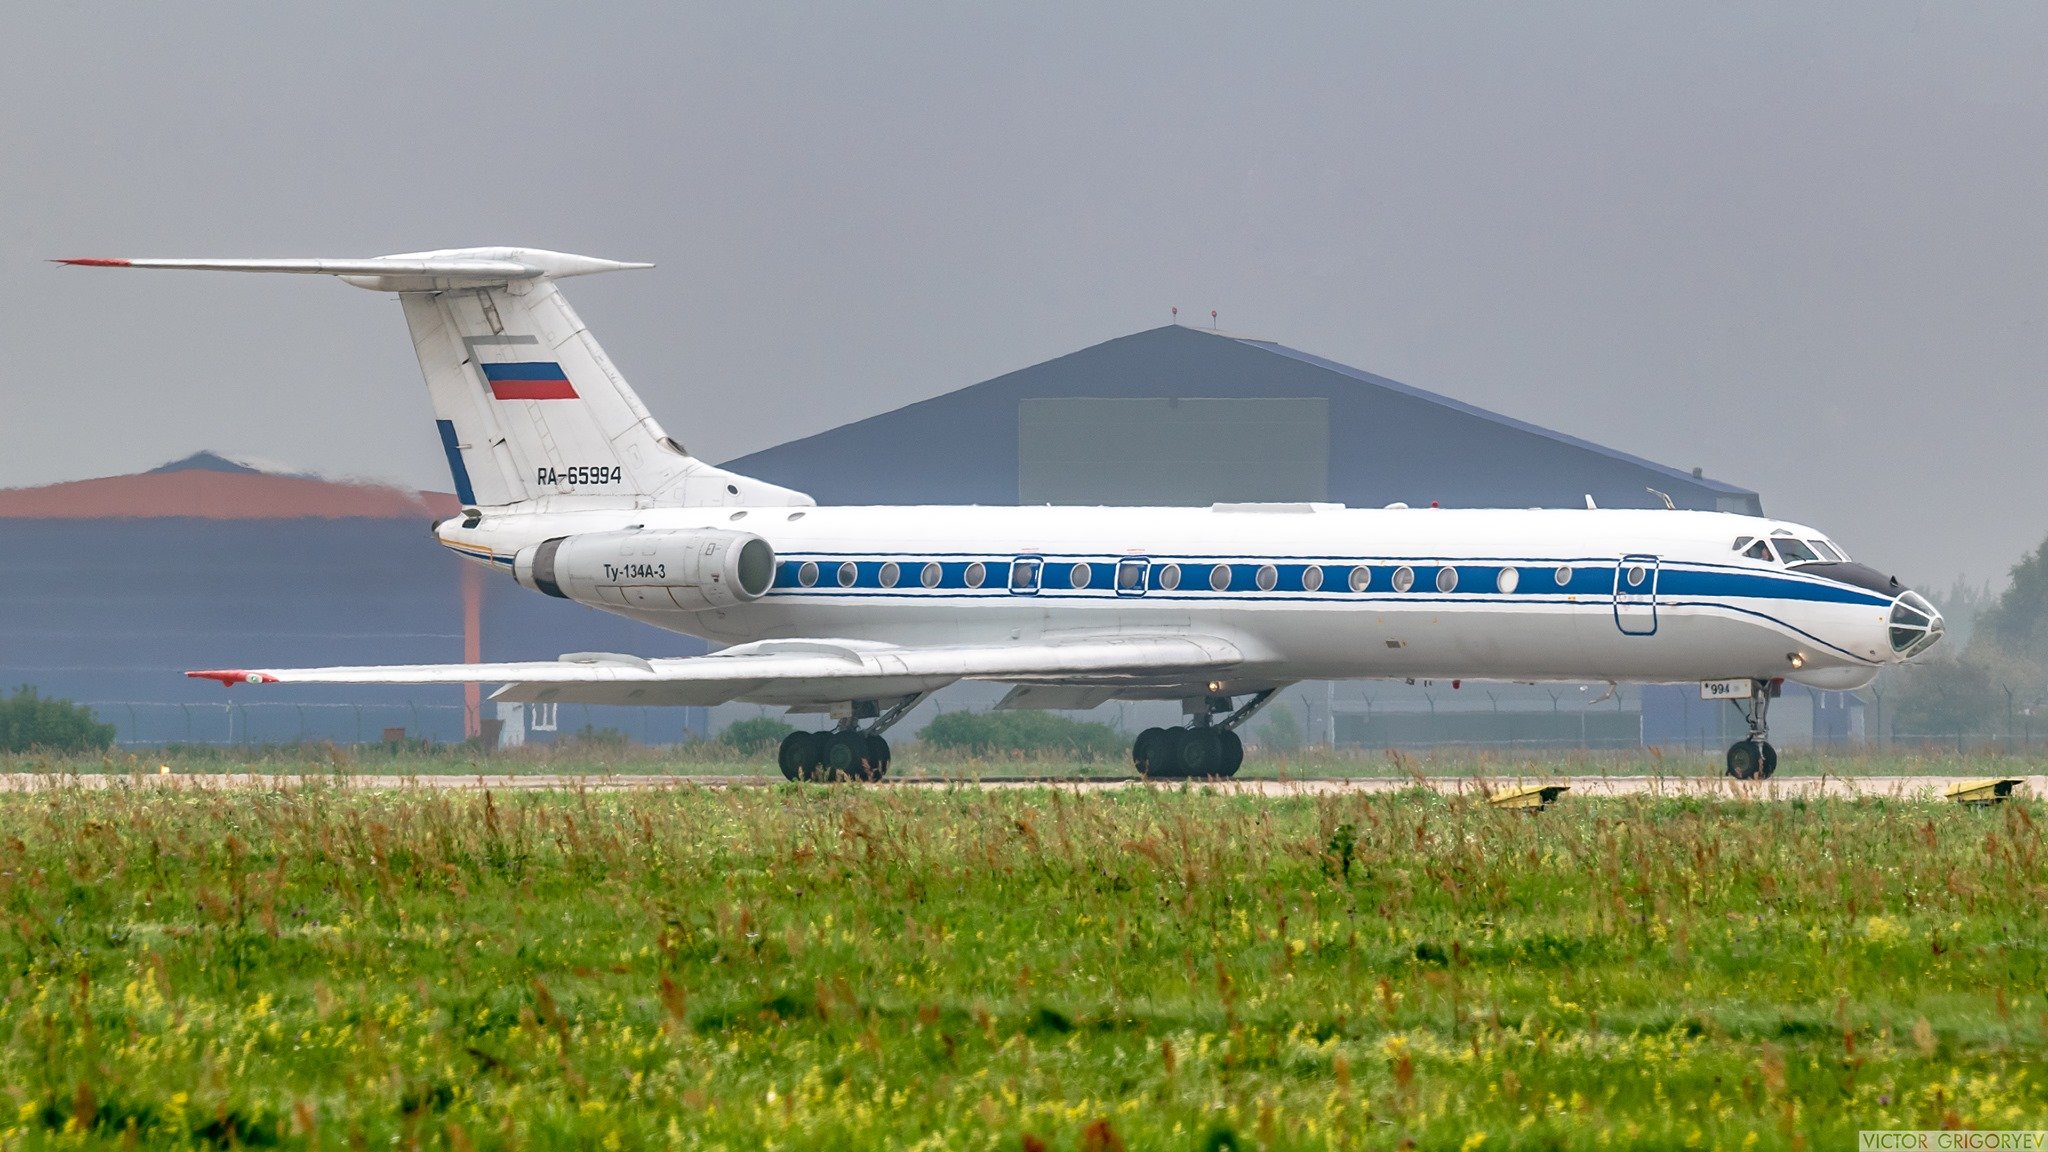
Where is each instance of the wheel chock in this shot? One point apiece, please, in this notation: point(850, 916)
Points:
point(1530, 797)
point(1988, 791)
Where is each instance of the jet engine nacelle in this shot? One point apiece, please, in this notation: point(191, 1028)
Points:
point(690, 570)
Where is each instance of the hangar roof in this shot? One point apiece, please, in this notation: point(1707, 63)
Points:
point(1386, 441)
point(209, 486)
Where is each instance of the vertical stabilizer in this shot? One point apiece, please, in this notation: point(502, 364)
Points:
point(527, 404)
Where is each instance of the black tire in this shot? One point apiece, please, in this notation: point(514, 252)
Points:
point(1145, 751)
point(878, 758)
point(1745, 759)
point(799, 750)
point(1768, 765)
point(845, 756)
point(1201, 754)
point(1164, 763)
point(1233, 754)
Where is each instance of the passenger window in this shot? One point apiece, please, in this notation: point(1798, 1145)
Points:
point(1311, 578)
point(1080, 575)
point(1024, 575)
point(808, 574)
point(1268, 577)
point(890, 574)
point(848, 573)
point(1361, 578)
point(1130, 577)
point(1508, 580)
point(977, 574)
point(1404, 578)
point(1564, 575)
point(1169, 577)
point(1219, 578)
point(931, 576)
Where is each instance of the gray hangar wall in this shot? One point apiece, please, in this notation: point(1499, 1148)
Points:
point(1184, 416)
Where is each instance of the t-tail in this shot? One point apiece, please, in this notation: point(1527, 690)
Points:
point(530, 409)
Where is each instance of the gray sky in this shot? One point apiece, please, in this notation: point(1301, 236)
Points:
point(1803, 247)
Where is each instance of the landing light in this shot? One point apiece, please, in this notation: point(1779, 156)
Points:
point(1798, 661)
point(1215, 687)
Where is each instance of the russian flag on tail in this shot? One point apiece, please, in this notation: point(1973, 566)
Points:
point(530, 380)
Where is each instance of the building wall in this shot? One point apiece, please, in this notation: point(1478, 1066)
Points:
point(113, 612)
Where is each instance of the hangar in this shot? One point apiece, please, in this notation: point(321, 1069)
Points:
point(254, 567)
point(1187, 416)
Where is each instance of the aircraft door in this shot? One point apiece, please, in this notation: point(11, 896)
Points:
point(1635, 595)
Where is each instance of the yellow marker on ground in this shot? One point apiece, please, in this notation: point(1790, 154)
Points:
point(1987, 791)
point(1532, 796)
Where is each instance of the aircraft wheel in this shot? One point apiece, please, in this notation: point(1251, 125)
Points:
point(1201, 754)
point(798, 752)
point(846, 756)
point(1145, 751)
point(1164, 763)
point(1233, 754)
point(1746, 759)
point(878, 758)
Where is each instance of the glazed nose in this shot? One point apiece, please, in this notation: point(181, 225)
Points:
point(1915, 626)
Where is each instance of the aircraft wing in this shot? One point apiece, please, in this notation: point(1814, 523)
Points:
point(803, 672)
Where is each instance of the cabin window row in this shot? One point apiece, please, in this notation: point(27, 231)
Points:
point(1135, 577)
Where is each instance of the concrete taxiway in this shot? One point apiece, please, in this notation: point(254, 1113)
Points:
point(1700, 787)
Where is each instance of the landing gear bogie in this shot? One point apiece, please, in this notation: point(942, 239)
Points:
point(847, 753)
point(1199, 751)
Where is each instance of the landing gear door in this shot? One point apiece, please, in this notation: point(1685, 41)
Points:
point(1635, 595)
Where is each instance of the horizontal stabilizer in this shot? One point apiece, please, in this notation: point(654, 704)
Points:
point(405, 272)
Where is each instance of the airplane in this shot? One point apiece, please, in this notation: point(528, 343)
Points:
point(570, 487)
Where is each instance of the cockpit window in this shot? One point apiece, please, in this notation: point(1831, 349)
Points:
point(1742, 542)
point(1759, 551)
point(1826, 550)
point(1795, 551)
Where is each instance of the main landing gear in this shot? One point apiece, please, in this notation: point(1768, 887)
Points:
point(1754, 758)
point(849, 752)
point(1204, 750)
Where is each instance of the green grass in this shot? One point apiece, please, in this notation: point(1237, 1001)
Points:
point(823, 967)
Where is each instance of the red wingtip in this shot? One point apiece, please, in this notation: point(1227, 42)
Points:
point(229, 679)
point(93, 262)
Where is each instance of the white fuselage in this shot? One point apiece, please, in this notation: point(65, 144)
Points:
point(1540, 594)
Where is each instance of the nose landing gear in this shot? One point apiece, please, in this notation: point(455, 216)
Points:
point(1754, 758)
point(1203, 750)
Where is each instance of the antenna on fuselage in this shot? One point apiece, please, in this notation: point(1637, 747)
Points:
point(1589, 501)
point(1664, 496)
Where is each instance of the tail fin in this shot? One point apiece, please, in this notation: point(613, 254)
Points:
point(528, 405)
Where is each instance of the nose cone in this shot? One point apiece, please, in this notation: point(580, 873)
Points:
point(1915, 626)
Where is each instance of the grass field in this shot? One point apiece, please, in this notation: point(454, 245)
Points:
point(807, 966)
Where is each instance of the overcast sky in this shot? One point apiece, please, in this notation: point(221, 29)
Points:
point(1805, 248)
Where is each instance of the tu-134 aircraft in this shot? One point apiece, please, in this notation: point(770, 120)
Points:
point(571, 488)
